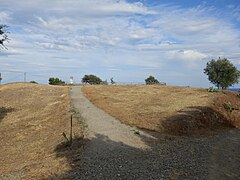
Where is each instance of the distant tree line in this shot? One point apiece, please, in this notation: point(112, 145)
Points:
point(221, 72)
point(93, 79)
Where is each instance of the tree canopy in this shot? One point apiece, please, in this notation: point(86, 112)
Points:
point(3, 35)
point(222, 73)
point(55, 81)
point(91, 79)
point(151, 80)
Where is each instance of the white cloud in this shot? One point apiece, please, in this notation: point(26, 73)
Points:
point(116, 33)
point(187, 55)
point(5, 17)
point(192, 58)
point(85, 7)
point(192, 55)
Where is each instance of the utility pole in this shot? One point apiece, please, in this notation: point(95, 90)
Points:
point(25, 76)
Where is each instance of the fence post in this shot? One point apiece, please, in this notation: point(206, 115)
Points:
point(70, 139)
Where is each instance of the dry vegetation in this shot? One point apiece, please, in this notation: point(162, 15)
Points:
point(165, 108)
point(32, 119)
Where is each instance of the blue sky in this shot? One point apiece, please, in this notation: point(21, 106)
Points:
point(126, 40)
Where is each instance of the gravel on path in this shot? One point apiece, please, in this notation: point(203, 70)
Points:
point(115, 151)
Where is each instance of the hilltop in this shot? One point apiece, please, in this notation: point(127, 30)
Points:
point(33, 118)
point(175, 110)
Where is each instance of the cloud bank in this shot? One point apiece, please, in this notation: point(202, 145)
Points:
point(120, 39)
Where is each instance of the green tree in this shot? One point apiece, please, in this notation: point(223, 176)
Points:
point(222, 73)
point(151, 80)
point(55, 81)
point(3, 35)
point(91, 79)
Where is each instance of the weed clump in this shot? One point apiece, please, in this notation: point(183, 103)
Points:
point(228, 106)
point(212, 89)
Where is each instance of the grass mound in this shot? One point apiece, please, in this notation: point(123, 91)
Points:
point(174, 110)
point(32, 118)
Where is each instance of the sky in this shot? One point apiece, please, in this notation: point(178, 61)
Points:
point(127, 40)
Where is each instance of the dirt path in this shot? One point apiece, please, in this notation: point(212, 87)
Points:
point(100, 123)
point(114, 151)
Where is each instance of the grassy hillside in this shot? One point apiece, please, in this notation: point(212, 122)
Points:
point(32, 119)
point(177, 110)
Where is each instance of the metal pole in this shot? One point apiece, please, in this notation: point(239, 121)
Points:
point(25, 76)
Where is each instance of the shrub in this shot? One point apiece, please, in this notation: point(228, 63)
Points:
point(91, 79)
point(34, 82)
point(228, 106)
point(212, 89)
point(55, 81)
point(151, 80)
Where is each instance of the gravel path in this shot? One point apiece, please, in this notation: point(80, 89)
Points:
point(115, 151)
point(100, 123)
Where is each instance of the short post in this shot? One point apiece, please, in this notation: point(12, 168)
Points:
point(70, 139)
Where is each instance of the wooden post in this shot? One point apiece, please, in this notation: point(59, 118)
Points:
point(70, 139)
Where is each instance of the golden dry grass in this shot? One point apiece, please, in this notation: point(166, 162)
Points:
point(149, 106)
point(32, 119)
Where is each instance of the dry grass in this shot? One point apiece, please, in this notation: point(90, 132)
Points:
point(153, 107)
point(32, 119)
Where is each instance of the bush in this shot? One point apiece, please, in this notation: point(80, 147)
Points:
point(56, 81)
point(228, 106)
point(34, 82)
point(91, 79)
point(212, 89)
point(151, 80)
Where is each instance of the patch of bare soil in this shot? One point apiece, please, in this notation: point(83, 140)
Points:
point(175, 110)
point(32, 120)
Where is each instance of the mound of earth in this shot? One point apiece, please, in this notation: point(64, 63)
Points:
point(32, 120)
point(175, 110)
